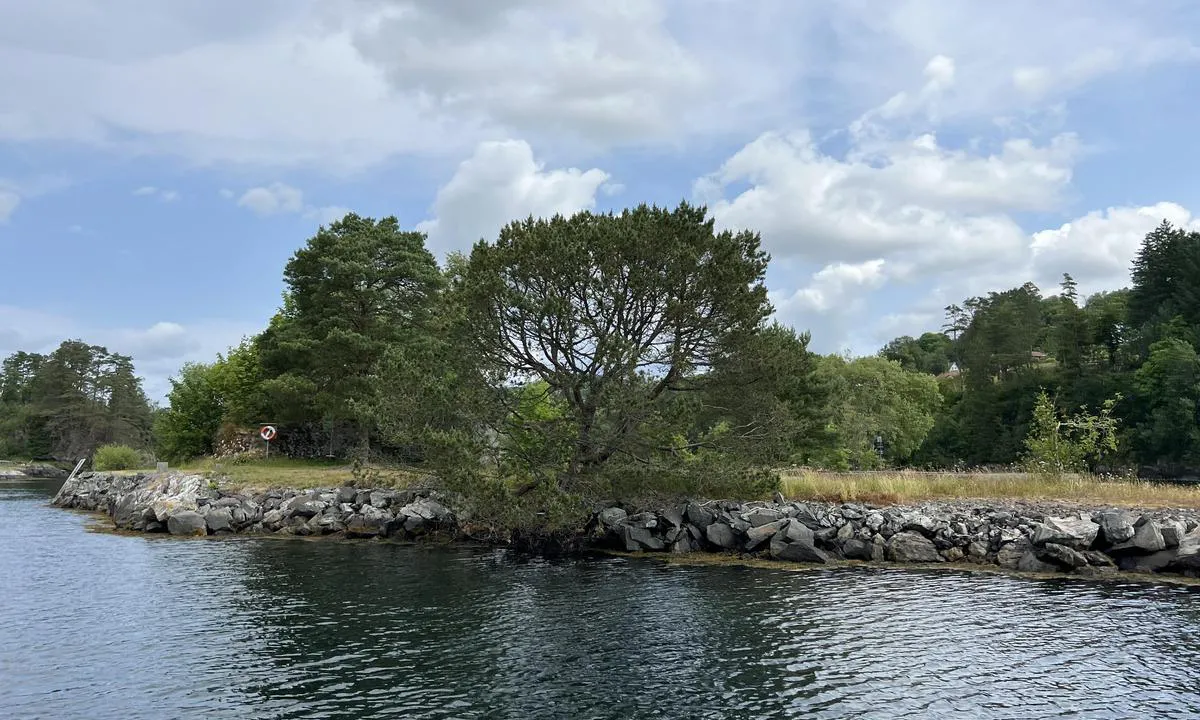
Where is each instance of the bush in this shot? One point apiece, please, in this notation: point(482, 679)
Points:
point(116, 457)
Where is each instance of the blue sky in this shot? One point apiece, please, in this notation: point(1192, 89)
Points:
point(159, 162)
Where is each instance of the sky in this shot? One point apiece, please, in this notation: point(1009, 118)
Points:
point(160, 162)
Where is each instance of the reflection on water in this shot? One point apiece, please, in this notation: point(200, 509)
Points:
point(101, 626)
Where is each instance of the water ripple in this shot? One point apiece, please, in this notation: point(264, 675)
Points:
point(100, 626)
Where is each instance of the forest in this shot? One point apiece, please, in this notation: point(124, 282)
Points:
point(608, 353)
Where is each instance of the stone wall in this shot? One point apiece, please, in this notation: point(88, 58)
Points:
point(1028, 537)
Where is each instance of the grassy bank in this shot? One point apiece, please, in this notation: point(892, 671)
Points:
point(295, 474)
point(899, 487)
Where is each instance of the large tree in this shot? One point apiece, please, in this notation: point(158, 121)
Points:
point(357, 288)
point(618, 315)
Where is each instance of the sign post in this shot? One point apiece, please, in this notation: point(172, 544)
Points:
point(267, 433)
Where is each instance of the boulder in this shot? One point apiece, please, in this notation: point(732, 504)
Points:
point(683, 545)
point(953, 554)
point(1075, 533)
point(380, 499)
point(759, 534)
point(642, 538)
point(1010, 554)
point(645, 520)
point(186, 522)
point(1173, 532)
point(219, 519)
point(855, 549)
point(611, 517)
point(1029, 562)
point(304, 506)
point(673, 516)
point(874, 521)
point(762, 516)
point(699, 516)
point(1117, 525)
point(1061, 555)
point(363, 527)
point(346, 495)
point(1187, 555)
point(912, 547)
point(721, 535)
point(977, 550)
point(1147, 538)
point(805, 516)
point(800, 552)
point(919, 522)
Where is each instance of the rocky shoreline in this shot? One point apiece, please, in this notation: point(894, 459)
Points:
point(1027, 537)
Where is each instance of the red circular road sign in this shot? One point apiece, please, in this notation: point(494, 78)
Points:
point(267, 432)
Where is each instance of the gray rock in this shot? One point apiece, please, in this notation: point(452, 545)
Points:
point(683, 545)
point(756, 536)
point(874, 521)
point(645, 539)
point(953, 554)
point(855, 549)
point(801, 552)
point(1075, 533)
point(919, 522)
point(1010, 554)
point(1061, 555)
point(380, 499)
point(1152, 563)
point(762, 516)
point(346, 495)
point(698, 516)
point(795, 531)
point(1029, 562)
point(1187, 555)
point(1173, 532)
point(1117, 526)
point(645, 520)
point(1098, 559)
point(977, 549)
point(845, 532)
point(612, 517)
point(721, 535)
point(673, 516)
point(186, 522)
point(1147, 538)
point(304, 506)
point(806, 516)
point(219, 519)
point(362, 527)
point(912, 547)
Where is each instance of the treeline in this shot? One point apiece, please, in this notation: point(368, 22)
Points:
point(616, 354)
point(1135, 347)
point(594, 354)
point(67, 403)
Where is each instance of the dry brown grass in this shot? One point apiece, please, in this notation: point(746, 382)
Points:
point(900, 487)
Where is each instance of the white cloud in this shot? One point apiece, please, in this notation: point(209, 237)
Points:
point(1098, 248)
point(327, 214)
point(8, 204)
point(273, 199)
point(502, 182)
point(158, 350)
point(160, 194)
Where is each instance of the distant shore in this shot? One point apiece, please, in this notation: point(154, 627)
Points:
point(1033, 536)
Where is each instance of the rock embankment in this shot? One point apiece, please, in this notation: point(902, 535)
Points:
point(182, 504)
point(1018, 536)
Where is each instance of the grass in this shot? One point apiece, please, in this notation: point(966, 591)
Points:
point(900, 487)
point(256, 475)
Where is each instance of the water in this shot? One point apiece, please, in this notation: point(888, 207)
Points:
point(103, 626)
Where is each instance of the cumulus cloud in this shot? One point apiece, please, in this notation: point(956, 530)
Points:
point(273, 199)
point(502, 182)
point(160, 194)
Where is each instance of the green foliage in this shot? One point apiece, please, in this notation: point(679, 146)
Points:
point(358, 288)
point(875, 398)
point(68, 402)
point(931, 353)
point(617, 316)
point(117, 457)
point(1055, 445)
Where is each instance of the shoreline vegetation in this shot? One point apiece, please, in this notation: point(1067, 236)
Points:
point(1022, 535)
point(635, 359)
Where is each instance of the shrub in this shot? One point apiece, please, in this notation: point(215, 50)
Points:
point(116, 457)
